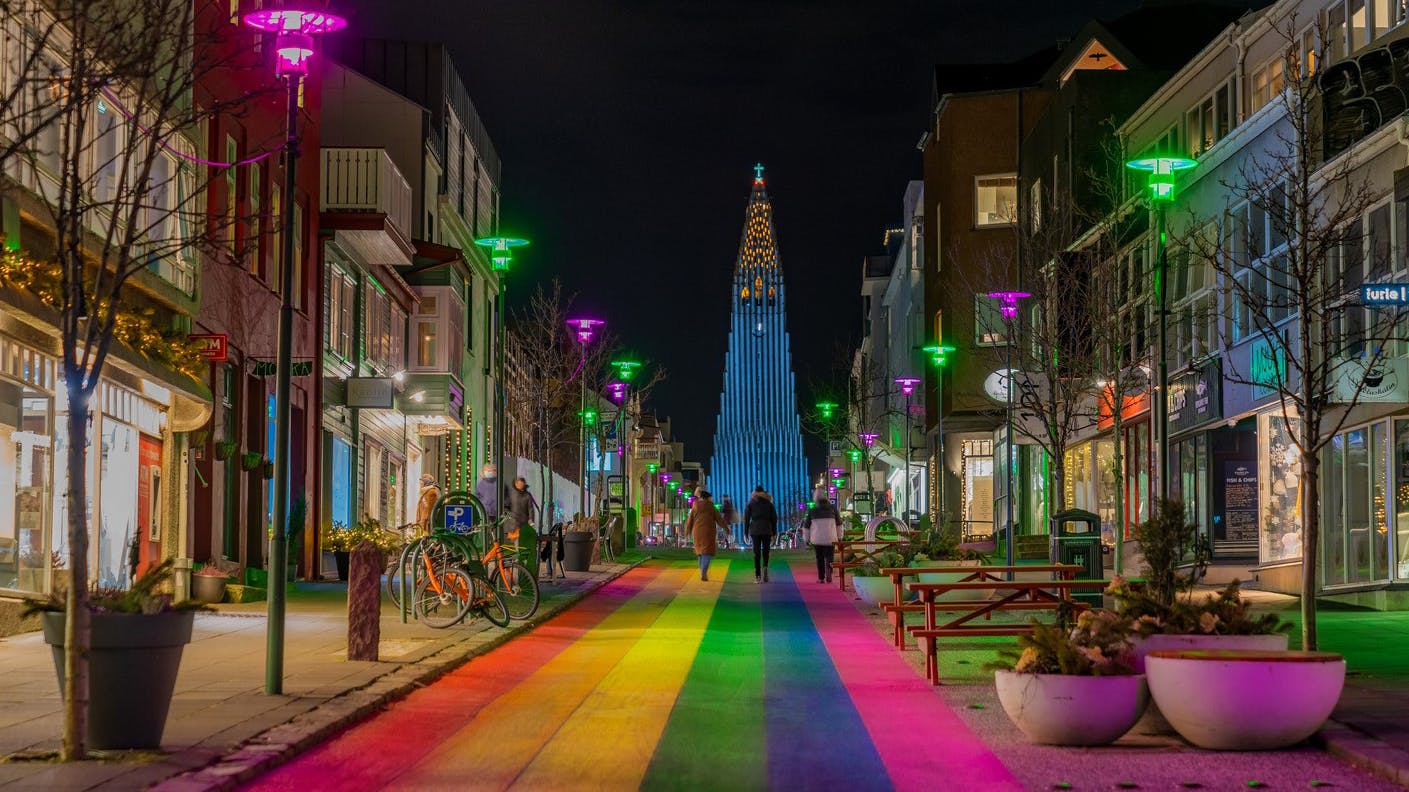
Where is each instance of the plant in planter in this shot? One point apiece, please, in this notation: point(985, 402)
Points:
point(873, 587)
point(225, 450)
point(251, 461)
point(208, 583)
point(137, 637)
point(1073, 685)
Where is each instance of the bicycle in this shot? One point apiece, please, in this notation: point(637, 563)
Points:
point(511, 578)
point(449, 592)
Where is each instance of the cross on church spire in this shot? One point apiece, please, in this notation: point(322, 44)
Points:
point(758, 173)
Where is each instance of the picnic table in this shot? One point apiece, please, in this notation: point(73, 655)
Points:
point(862, 551)
point(898, 607)
point(1008, 595)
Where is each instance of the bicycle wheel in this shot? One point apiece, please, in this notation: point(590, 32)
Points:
point(517, 586)
point(487, 602)
point(401, 564)
point(443, 599)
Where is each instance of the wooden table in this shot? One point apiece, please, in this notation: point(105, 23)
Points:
point(863, 551)
point(898, 607)
point(1012, 595)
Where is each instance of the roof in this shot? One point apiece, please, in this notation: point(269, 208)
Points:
point(951, 78)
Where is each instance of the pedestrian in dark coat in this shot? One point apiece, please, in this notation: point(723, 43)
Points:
point(822, 526)
point(761, 519)
point(702, 525)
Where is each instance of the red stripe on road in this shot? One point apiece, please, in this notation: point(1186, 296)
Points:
point(372, 754)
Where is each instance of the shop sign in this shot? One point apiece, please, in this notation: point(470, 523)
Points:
point(999, 384)
point(269, 368)
point(214, 347)
point(1195, 397)
point(1267, 367)
point(1385, 294)
point(1130, 407)
point(1383, 380)
point(648, 451)
point(375, 393)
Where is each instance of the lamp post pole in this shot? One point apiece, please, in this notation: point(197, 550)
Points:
point(907, 387)
point(1008, 307)
point(293, 47)
point(584, 329)
point(500, 256)
point(1161, 169)
point(939, 355)
point(625, 370)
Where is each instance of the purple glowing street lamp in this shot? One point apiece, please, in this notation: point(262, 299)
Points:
point(907, 387)
point(584, 329)
point(1008, 307)
point(869, 438)
point(293, 32)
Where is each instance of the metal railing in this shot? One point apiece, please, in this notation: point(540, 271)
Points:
point(366, 180)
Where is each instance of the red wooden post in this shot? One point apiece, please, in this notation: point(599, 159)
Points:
point(364, 602)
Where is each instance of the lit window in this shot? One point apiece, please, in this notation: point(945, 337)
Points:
point(995, 200)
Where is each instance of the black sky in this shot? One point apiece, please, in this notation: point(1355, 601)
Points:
point(628, 131)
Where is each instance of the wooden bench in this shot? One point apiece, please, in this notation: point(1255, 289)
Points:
point(1051, 593)
point(898, 607)
point(863, 551)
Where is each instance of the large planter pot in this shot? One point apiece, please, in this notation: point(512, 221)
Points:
point(340, 560)
point(874, 590)
point(132, 665)
point(208, 588)
point(952, 577)
point(1161, 642)
point(1245, 700)
point(577, 550)
point(1056, 709)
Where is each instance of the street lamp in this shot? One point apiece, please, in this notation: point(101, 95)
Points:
point(1008, 308)
point(868, 439)
point(939, 356)
point(1161, 170)
point(625, 370)
point(293, 49)
point(907, 387)
point(585, 329)
point(500, 255)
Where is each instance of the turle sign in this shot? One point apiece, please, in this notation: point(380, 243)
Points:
point(1385, 294)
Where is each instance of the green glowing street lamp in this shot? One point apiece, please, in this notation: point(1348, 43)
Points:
point(1161, 170)
point(500, 255)
point(827, 409)
point(939, 356)
point(626, 368)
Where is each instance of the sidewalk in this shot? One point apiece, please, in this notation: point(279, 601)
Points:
point(220, 716)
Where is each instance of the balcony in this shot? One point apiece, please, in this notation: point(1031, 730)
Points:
point(365, 195)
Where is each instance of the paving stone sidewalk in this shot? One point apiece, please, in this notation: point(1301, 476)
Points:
point(221, 723)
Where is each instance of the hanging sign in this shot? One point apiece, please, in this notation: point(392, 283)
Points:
point(1360, 380)
point(214, 347)
point(1195, 397)
point(1385, 294)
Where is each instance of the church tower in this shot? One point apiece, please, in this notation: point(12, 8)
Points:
point(758, 439)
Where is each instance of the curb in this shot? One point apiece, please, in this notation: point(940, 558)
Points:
point(1364, 751)
point(277, 745)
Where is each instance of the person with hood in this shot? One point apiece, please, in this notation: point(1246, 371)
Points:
point(726, 510)
point(761, 521)
point(521, 511)
point(702, 526)
point(430, 493)
point(487, 490)
point(822, 526)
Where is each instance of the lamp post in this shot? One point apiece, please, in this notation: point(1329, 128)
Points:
point(1008, 308)
point(584, 329)
point(907, 387)
point(625, 370)
point(1161, 170)
point(500, 255)
point(939, 356)
point(868, 439)
point(293, 49)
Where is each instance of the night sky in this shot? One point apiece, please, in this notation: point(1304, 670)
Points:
point(628, 131)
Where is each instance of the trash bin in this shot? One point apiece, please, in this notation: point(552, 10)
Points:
point(1076, 539)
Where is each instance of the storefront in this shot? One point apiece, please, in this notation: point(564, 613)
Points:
point(1092, 480)
point(1137, 451)
point(976, 494)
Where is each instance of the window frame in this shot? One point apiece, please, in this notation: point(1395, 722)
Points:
point(977, 204)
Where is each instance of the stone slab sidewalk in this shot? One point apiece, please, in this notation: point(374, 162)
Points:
point(222, 727)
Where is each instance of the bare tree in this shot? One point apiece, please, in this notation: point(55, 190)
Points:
point(1292, 291)
point(98, 120)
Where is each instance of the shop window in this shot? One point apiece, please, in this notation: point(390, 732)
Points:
point(26, 461)
point(977, 478)
point(1355, 518)
point(341, 506)
point(1279, 478)
point(1401, 499)
point(995, 200)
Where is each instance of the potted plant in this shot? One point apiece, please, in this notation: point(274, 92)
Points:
point(136, 640)
point(873, 587)
point(339, 540)
point(250, 462)
point(225, 450)
point(208, 583)
point(1073, 685)
point(578, 543)
point(943, 549)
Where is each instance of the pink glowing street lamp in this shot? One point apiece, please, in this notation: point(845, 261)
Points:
point(907, 387)
point(1008, 307)
point(293, 31)
point(584, 329)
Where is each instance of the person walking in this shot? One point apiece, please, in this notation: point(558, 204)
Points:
point(726, 510)
point(487, 490)
point(521, 510)
point(822, 526)
point(761, 520)
point(425, 506)
point(703, 524)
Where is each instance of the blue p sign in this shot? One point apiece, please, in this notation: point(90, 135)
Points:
point(459, 518)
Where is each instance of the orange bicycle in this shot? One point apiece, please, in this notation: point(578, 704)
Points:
point(511, 578)
point(449, 587)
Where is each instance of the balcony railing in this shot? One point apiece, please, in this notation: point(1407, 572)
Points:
point(366, 180)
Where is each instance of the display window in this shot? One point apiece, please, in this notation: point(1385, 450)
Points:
point(26, 470)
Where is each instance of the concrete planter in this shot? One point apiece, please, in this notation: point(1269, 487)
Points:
point(1161, 642)
point(133, 660)
point(577, 550)
point(209, 589)
point(874, 590)
point(1057, 709)
point(1245, 701)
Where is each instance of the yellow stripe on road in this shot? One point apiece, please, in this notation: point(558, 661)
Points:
point(608, 743)
point(493, 749)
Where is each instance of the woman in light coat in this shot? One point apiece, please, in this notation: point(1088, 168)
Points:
point(823, 527)
point(703, 524)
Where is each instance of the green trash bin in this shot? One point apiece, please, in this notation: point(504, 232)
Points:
point(1076, 539)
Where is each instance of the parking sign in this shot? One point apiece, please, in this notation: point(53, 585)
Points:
point(459, 518)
